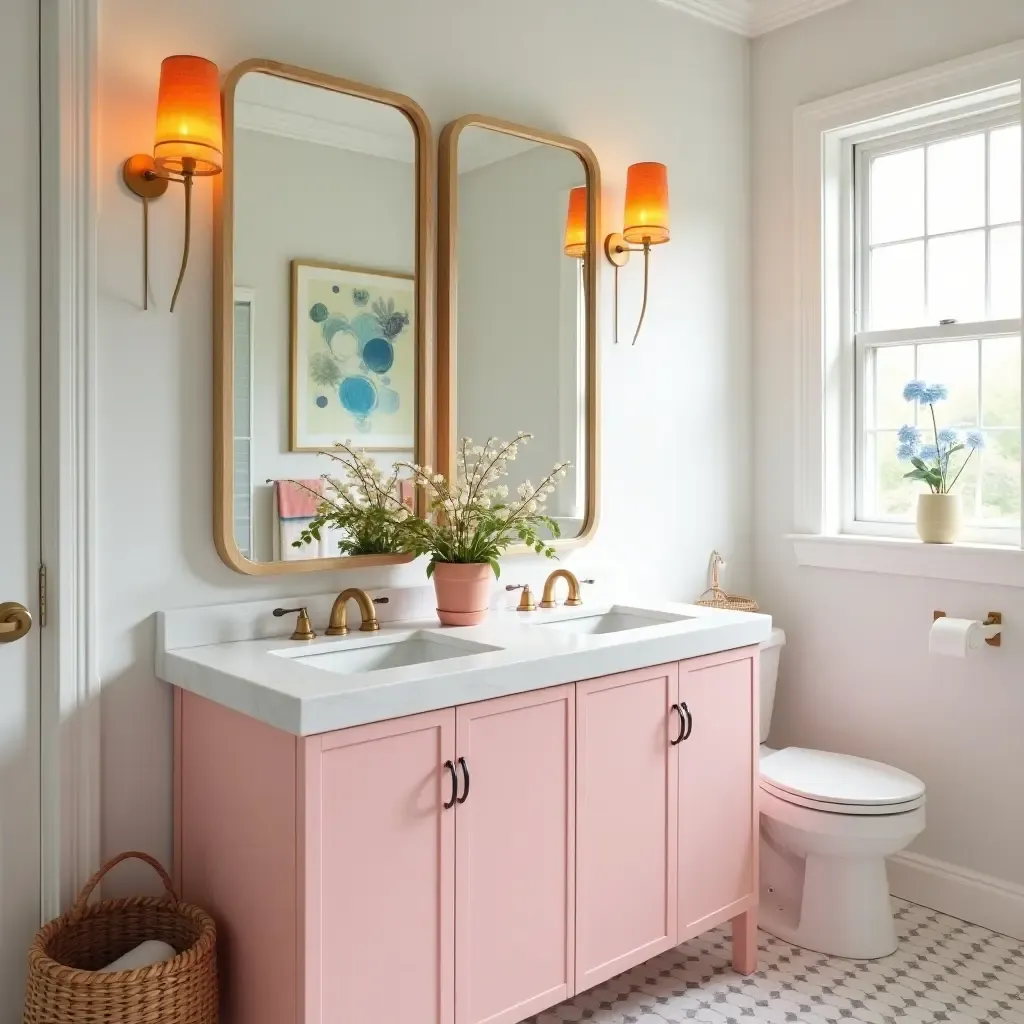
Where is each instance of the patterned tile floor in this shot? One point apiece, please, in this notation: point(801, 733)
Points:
point(945, 970)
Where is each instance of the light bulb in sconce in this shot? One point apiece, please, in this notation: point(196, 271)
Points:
point(646, 223)
point(188, 144)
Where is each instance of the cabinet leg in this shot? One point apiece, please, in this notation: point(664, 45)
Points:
point(744, 942)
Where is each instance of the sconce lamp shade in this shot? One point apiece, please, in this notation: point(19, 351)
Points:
point(646, 204)
point(188, 121)
point(576, 224)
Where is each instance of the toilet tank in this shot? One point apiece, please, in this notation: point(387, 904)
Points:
point(771, 650)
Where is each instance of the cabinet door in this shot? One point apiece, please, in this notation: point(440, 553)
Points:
point(717, 790)
point(626, 822)
point(379, 879)
point(515, 857)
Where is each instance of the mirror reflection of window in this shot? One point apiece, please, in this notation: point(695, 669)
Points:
point(521, 331)
point(242, 419)
point(324, 191)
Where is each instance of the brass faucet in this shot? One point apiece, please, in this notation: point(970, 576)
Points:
point(573, 600)
point(338, 626)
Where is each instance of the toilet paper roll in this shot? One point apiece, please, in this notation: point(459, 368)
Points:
point(954, 638)
point(150, 952)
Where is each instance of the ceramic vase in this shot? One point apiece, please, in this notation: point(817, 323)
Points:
point(938, 518)
point(463, 592)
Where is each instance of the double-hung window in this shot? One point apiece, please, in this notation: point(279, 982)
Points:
point(934, 294)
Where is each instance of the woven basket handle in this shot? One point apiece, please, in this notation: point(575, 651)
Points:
point(83, 897)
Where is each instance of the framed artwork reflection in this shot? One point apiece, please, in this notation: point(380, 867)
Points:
point(353, 364)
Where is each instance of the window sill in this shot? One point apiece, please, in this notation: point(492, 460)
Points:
point(963, 563)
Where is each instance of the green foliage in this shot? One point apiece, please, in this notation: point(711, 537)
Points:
point(364, 506)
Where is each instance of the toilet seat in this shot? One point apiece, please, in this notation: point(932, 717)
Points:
point(839, 783)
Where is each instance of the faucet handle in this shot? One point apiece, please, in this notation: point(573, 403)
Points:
point(303, 627)
point(526, 602)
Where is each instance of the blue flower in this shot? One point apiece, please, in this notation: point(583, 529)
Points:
point(929, 453)
point(934, 393)
point(909, 435)
point(914, 390)
point(906, 451)
point(975, 440)
point(948, 437)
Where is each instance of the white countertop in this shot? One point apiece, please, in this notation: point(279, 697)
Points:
point(268, 679)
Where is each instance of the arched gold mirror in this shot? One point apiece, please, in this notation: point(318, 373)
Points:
point(323, 264)
point(517, 308)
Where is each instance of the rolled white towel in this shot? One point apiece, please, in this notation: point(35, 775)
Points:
point(148, 953)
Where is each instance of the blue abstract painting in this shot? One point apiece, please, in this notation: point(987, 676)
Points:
point(353, 358)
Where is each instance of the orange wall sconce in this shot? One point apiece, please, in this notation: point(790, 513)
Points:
point(576, 224)
point(646, 223)
point(576, 229)
point(188, 144)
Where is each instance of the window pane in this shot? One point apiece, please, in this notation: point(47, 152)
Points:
point(892, 496)
point(1000, 479)
point(897, 196)
point(893, 368)
point(955, 364)
point(897, 286)
point(966, 482)
point(1006, 273)
point(956, 277)
point(956, 184)
point(1000, 382)
point(1004, 153)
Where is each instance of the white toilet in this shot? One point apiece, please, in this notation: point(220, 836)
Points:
point(828, 821)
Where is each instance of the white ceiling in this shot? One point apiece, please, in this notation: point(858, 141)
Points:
point(752, 17)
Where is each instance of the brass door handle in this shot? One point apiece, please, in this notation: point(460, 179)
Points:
point(15, 621)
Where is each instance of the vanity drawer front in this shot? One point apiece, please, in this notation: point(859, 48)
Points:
point(626, 822)
point(717, 789)
point(515, 856)
point(380, 873)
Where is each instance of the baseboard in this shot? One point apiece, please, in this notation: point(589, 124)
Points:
point(959, 892)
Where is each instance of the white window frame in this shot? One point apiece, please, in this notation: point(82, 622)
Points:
point(858, 342)
point(825, 135)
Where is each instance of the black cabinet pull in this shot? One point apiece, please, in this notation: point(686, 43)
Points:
point(455, 785)
point(682, 726)
point(465, 776)
point(688, 727)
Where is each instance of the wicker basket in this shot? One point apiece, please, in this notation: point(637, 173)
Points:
point(63, 987)
point(716, 597)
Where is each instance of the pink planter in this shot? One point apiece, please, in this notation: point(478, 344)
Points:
point(463, 592)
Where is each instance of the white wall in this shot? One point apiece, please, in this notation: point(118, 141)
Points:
point(676, 466)
point(515, 325)
point(856, 676)
point(302, 200)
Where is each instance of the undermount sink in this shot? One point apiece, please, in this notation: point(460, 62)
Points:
point(383, 653)
point(615, 620)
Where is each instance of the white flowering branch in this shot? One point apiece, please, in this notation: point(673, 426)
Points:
point(474, 521)
point(365, 506)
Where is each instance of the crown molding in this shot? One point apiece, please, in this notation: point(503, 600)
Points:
point(290, 124)
point(769, 15)
point(752, 17)
point(734, 15)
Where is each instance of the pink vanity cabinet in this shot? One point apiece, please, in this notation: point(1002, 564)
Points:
point(472, 865)
point(666, 833)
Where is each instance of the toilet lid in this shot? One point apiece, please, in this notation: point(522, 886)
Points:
point(839, 778)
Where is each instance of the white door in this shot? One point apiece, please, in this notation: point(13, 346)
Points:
point(19, 495)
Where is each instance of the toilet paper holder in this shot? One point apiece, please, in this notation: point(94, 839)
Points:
point(994, 619)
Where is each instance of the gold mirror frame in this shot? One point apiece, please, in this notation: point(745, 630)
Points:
point(223, 312)
point(447, 303)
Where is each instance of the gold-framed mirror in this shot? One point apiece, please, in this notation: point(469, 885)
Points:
point(518, 248)
point(323, 268)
